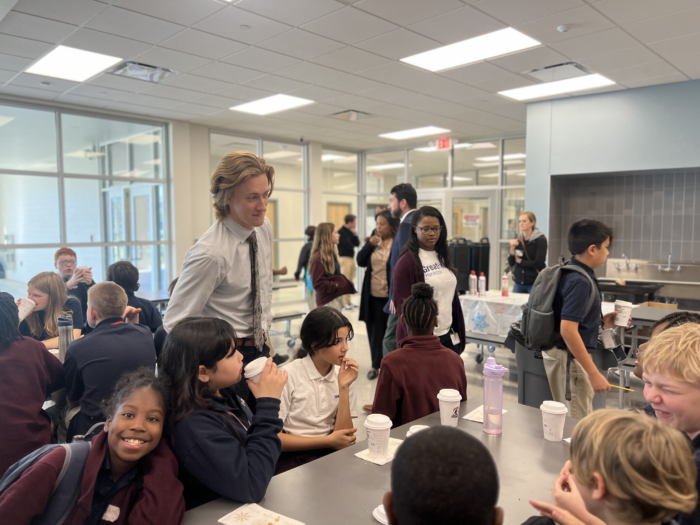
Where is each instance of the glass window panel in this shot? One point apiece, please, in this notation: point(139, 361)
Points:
point(151, 261)
point(437, 204)
point(373, 205)
point(83, 210)
point(511, 209)
point(514, 161)
point(27, 139)
point(286, 253)
point(92, 258)
point(133, 211)
point(504, 251)
point(384, 171)
point(476, 164)
point(339, 171)
point(18, 266)
point(470, 218)
point(336, 207)
point(288, 161)
point(29, 209)
point(220, 145)
point(285, 209)
point(428, 168)
point(98, 146)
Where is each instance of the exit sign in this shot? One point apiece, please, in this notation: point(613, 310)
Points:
point(444, 143)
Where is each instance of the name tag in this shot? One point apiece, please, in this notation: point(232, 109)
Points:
point(111, 514)
point(455, 338)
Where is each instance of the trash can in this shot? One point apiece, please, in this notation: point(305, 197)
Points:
point(533, 386)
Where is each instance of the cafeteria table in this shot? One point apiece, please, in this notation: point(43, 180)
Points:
point(159, 298)
point(341, 488)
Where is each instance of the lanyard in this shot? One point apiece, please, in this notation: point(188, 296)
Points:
point(239, 421)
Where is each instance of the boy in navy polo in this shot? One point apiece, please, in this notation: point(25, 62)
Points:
point(95, 362)
point(588, 243)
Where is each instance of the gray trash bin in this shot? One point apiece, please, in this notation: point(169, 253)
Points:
point(533, 386)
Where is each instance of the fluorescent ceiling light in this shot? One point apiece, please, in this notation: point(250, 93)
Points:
point(461, 179)
point(282, 154)
point(380, 167)
point(478, 145)
point(488, 164)
point(273, 104)
point(330, 156)
point(548, 89)
point(413, 133)
point(476, 49)
point(142, 140)
point(85, 154)
point(505, 157)
point(5, 120)
point(73, 64)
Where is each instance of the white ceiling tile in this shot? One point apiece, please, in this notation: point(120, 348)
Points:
point(502, 83)
point(203, 44)
point(625, 12)
point(70, 11)
point(174, 93)
point(226, 72)
point(154, 102)
point(301, 44)
point(641, 72)
point(324, 110)
point(399, 44)
point(69, 98)
point(275, 84)
point(242, 26)
point(475, 73)
point(310, 73)
point(458, 25)
point(175, 60)
point(6, 75)
point(406, 12)
point(530, 59)
point(521, 11)
point(218, 102)
point(666, 27)
point(583, 20)
point(350, 59)
point(655, 81)
point(14, 63)
point(395, 95)
point(101, 92)
point(351, 84)
point(121, 83)
point(688, 64)
point(21, 91)
point(42, 82)
point(514, 110)
point(106, 44)
point(295, 13)
point(128, 24)
point(355, 102)
point(23, 47)
point(260, 59)
point(196, 83)
point(316, 93)
point(185, 12)
point(244, 93)
point(632, 56)
point(169, 114)
point(350, 25)
point(595, 44)
point(677, 47)
point(196, 109)
point(395, 73)
point(34, 27)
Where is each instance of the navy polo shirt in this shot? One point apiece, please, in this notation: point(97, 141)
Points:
point(71, 306)
point(570, 304)
point(149, 316)
point(95, 362)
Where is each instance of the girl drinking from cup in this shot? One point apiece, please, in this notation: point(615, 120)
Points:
point(329, 284)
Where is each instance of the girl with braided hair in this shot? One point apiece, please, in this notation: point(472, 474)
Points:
point(412, 375)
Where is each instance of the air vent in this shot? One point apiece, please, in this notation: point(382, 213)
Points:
point(143, 72)
point(558, 72)
point(351, 114)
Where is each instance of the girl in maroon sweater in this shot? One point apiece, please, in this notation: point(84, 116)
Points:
point(130, 475)
point(329, 284)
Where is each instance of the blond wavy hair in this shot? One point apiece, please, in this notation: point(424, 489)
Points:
point(675, 351)
point(647, 466)
point(323, 244)
point(52, 285)
point(233, 170)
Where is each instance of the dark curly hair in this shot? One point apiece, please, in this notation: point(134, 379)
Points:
point(420, 310)
point(129, 383)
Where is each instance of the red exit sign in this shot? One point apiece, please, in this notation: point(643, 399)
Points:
point(444, 143)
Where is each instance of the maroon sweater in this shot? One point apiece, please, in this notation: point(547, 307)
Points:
point(412, 376)
point(159, 501)
point(31, 373)
point(328, 286)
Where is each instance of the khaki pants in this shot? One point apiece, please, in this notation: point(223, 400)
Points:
point(347, 268)
point(581, 403)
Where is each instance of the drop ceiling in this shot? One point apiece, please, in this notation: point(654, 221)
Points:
point(341, 56)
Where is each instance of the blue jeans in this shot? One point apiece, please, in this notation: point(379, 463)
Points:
point(522, 288)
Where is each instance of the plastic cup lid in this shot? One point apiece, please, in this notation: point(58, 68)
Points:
point(491, 368)
point(255, 367)
point(449, 394)
point(554, 407)
point(378, 421)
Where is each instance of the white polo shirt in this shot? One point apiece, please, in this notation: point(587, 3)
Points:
point(309, 403)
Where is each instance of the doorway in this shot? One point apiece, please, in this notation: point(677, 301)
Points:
point(336, 212)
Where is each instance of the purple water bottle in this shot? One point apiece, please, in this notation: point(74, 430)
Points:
point(493, 396)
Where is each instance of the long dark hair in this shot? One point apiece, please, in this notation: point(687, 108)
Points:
point(320, 330)
point(9, 320)
point(393, 221)
point(441, 249)
point(194, 341)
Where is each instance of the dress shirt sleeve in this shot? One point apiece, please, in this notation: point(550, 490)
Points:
point(286, 399)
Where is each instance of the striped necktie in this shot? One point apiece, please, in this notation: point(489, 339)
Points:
point(258, 332)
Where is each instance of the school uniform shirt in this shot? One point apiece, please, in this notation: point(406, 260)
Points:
point(80, 292)
point(444, 284)
point(31, 373)
point(227, 451)
point(411, 377)
point(309, 403)
point(148, 316)
point(71, 306)
point(150, 493)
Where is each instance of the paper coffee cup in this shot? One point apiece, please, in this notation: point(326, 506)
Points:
point(553, 419)
point(26, 306)
point(254, 369)
point(449, 406)
point(378, 428)
point(415, 429)
point(624, 312)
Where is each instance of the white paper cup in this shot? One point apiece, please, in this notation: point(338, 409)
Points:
point(378, 429)
point(553, 419)
point(449, 406)
point(624, 312)
point(254, 369)
point(415, 429)
point(25, 308)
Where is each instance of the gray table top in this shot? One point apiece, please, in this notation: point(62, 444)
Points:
point(155, 297)
point(341, 488)
point(648, 315)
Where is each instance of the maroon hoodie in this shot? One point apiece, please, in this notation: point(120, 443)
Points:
point(159, 501)
point(412, 376)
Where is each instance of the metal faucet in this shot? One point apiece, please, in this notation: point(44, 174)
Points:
point(627, 264)
point(668, 268)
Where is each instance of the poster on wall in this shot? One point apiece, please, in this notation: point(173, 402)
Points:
point(471, 219)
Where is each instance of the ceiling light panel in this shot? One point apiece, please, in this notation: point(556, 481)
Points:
point(73, 64)
point(413, 133)
point(505, 157)
point(491, 45)
point(570, 85)
point(273, 104)
point(382, 167)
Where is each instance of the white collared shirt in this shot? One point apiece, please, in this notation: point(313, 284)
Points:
point(309, 402)
point(216, 281)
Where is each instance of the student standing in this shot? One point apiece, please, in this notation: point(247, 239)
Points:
point(328, 281)
point(303, 264)
point(126, 275)
point(78, 280)
point(346, 253)
point(374, 256)
point(528, 253)
point(426, 259)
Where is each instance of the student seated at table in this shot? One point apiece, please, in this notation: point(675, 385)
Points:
point(130, 476)
point(78, 279)
point(30, 373)
point(223, 449)
point(95, 363)
point(625, 468)
point(443, 475)
point(318, 401)
point(412, 376)
point(48, 291)
point(126, 275)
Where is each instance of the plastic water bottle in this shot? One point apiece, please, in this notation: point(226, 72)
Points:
point(65, 335)
point(504, 285)
point(493, 396)
point(482, 285)
point(472, 283)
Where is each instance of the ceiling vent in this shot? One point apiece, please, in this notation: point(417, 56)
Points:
point(351, 114)
point(558, 72)
point(143, 72)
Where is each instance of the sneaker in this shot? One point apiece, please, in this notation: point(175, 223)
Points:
point(278, 359)
point(372, 374)
point(347, 308)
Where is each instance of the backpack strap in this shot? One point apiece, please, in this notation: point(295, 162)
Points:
point(15, 471)
point(68, 484)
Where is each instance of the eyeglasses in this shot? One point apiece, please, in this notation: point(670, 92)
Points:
point(62, 262)
point(426, 230)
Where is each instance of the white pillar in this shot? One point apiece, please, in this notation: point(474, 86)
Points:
point(315, 194)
